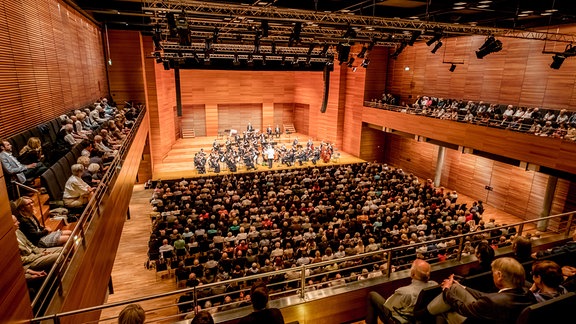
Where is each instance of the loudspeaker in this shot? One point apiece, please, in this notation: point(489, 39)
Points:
point(326, 89)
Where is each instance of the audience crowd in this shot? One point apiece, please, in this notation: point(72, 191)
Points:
point(541, 122)
point(231, 226)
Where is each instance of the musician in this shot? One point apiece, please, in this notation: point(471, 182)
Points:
point(200, 161)
point(249, 128)
point(277, 131)
point(295, 142)
point(270, 155)
point(310, 144)
point(216, 145)
point(315, 155)
point(269, 131)
point(215, 161)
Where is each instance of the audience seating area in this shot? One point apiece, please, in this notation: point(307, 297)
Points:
point(532, 120)
point(231, 226)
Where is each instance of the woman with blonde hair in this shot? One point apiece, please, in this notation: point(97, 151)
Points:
point(32, 152)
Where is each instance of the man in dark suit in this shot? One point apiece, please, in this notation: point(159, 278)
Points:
point(458, 303)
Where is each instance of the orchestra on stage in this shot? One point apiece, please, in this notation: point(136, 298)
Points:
point(253, 148)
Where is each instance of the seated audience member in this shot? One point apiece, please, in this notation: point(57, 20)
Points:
point(261, 313)
point(32, 152)
point(98, 144)
point(132, 314)
point(404, 298)
point(485, 255)
point(457, 303)
point(39, 235)
point(522, 247)
point(16, 170)
point(547, 280)
point(65, 140)
point(203, 317)
point(33, 257)
point(95, 174)
point(77, 193)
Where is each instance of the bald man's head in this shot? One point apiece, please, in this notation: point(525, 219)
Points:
point(420, 270)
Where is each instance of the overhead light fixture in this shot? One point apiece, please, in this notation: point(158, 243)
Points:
point(283, 60)
point(362, 52)
point(343, 52)
point(295, 60)
point(195, 56)
point(311, 48)
point(436, 47)
point(437, 36)
point(215, 35)
point(350, 33)
point(458, 7)
point(459, 3)
point(263, 59)
point(236, 61)
point(206, 58)
point(350, 62)
point(308, 58)
point(324, 49)
point(265, 28)
point(295, 36)
point(483, 6)
point(399, 50)
point(365, 63)
point(250, 61)
point(452, 67)
point(491, 45)
point(273, 47)
point(415, 35)
point(166, 64)
point(557, 61)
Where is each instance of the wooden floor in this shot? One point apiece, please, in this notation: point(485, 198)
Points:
point(130, 279)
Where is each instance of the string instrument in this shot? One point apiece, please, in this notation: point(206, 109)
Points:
point(325, 154)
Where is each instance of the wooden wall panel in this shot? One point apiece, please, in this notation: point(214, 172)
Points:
point(50, 62)
point(125, 73)
point(302, 125)
point(516, 191)
point(350, 118)
point(518, 75)
point(372, 145)
point(376, 73)
point(237, 116)
point(194, 116)
point(14, 298)
point(283, 114)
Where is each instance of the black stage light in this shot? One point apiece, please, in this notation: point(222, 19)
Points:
point(436, 47)
point(399, 50)
point(557, 61)
point(491, 45)
point(452, 67)
point(265, 28)
point(343, 52)
point(437, 36)
point(362, 52)
point(166, 64)
point(365, 63)
point(324, 49)
point(415, 35)
point(350, 62)
point(273, 47)
point(236, 61)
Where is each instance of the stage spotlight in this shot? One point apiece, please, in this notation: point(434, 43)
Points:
point(196, 59)
point(415, 35)
point(295, 36)
point(350, 62)
point(265, 28)
point(236, 61)
point(215, 35)
point(250, 61)
point(398, 50)
point(324, 49)
point(365, 63)
point(343, 52)
point(491, 45)
point(452, 68)
point(206, 58)
point(263, 59)
point(295, 60)
point(350, 33)
point(283, 61)
point(437, 36)
point(310, 49)
point(308, 64)
point(557, 61)
point(273, 49)
point(362, 52)
point(166, 64)
point(436, 47)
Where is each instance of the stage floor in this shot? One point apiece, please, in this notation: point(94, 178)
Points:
point(179, 162)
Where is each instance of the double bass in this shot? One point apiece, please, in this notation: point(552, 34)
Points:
point(325, 153)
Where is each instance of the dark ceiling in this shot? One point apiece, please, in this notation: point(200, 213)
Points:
point(521, 14)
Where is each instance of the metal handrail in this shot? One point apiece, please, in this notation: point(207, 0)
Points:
point(386, 254)
point(36, 193)
point(54, 278)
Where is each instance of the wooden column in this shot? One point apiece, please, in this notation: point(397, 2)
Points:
point(439, 165)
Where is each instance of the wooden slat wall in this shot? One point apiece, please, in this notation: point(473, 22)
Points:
point(376, 73)
point(14, 299)
point(125, 73)
point(350, 118)
point(302, 124)
point(518, 75)
point(50, 62)
point(516, 191)
point(237, 116)
point(283, 114)
point(372, 145)
point(194, 116)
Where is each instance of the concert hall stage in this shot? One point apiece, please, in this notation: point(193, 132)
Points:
point(179, 162)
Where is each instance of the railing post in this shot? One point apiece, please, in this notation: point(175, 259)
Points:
point(569, 227)
point(389, 262)
point(302, 281)
point(460, 248)
point(520, 229)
